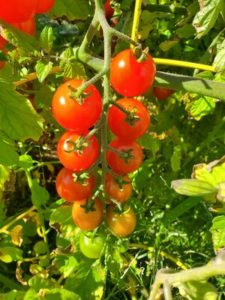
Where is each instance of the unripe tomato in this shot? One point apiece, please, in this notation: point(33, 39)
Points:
point(91, 246)
point(87, 220)
point(122, 224)
point(122, 166)
point(162, 93)
point(129, 77)
point(132, 126)
point(76, 114)
point(14, 11)
point(28, 26)
point(119, 189)
point(108, 10)
point(72, 190)
point(77, 153)
point(44, 6)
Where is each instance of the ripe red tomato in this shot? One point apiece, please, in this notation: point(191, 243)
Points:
point(28, 26)
point(122, 224)
point(75, 156)
point(125, 127)
point(69, 113)
point(129, 77)
point(44, 6)
point(120, 165)
point(108, 10)
point(14, 11)
point(162, 93)
point(87, 220)
point(71, 189)
point(119, 189)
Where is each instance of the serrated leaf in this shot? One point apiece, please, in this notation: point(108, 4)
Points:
point(207, 16)
point(39, 195)
point(70, 66)
point(47, 38)
point(79, 10)
point(201, 107)
point(10, 254)
point(192, 187)
point(219, 61)
point(18, 119)
point(43, 70)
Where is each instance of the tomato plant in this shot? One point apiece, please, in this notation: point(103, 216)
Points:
point(72, 188)
point(162, 93)
point(132, 125)
point(124, 157)
point(128, 76)
point(118, 188)
point(108, 10)
point(91, 245)
point(121, 224)
point(76, 114)
point(87, 219)
point(44, 6)
point(76, 152)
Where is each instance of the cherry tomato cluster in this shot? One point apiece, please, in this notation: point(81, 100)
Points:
point(20, 14)
point(78, 148)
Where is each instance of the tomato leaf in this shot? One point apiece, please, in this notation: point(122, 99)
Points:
point(193, 187)
point(196, 290)
point(47, 38)
point(201, 106)
point(39, 194)
point(18, 118)
point(176, 158)
point(43, 70)
point(219, 61)
point(70, 66)
point(10, 254)
point(218, 233)
point(8, 154)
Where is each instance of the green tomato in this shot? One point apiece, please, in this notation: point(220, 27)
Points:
point(90, 246)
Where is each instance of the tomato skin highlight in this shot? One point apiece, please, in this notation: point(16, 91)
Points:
point(91, 246)
point(162, 93)
point(72, 115)
point(117, 119)
point(77, 160)
point(118, 164)
point(13, 11)
point(130, 78)
point(72, 190)
point(87, 220)
point(121, 225)
point(115, 191)
point(44, 6)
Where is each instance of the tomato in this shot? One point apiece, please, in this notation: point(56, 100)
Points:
point(87, 220)
point(3, 42)
point(14, 11)
point(119, 189)
point(70, 113)
point(91, 246)
point(129, 77)
point(120, 165)
point(71, 189)
point(109, 11)
point(122, 224)
point(162, 93)
point(128, 128)
point(28, 26)
point(44, 6)
point(76, 153)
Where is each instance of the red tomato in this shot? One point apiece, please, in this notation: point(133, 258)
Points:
point(108, 10)
point(123, 224)
point(69, 113)
point(122, 166)
point(125, 127)
point(28, 26)
point(119, 189)
point(128, 76)
point(162, 93)
point(3, 42)
point(72, 190)
point(14, 11)
point(75, 156)
point(44, 6)
point(87, 220)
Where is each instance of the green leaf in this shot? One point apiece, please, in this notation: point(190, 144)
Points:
point(8, 154)
point(43, 70)
point(207, 16)
point(10, 254)
point(180, 209)
point(167, 45)
point(13, 295)
point(142, 177)
point(176, 158)
point(196, 290)
point(70, 66)
point(201, 106)
point(18, 119)
point(70, 265)
point(47, 38)
point(25, 161)
point(37, 282)
point(62, 294)
point(150, 143)
point(193, 187)
point(186, 31)
point(31, 294)
point(218, 232)
point(219, 61)
point(39, 195)
point(78, 10)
